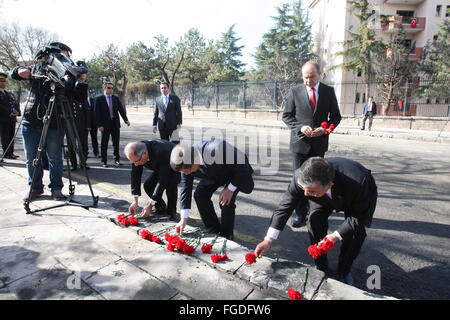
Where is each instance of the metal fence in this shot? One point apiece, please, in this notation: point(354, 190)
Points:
point(270, 95)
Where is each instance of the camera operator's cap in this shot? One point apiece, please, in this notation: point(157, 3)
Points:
point(62, 46)
point(3, 76)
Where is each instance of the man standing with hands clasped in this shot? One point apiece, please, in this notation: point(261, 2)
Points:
point(168, 116)
point(329, 184)
point(307, 106)
point(107, 109)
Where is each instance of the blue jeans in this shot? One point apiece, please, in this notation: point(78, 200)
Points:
point(53, 148)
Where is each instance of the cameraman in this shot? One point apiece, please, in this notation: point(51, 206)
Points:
point(40, 94)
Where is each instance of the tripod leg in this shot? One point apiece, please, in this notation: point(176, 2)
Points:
point(74, 139)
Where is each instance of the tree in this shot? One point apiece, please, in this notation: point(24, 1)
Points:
point(195, 66)
point(110, 65)
point(393, 70)
point(19, 47)
point(287, 45)
point(223, 58)
point(359, 50)
point(436, 63)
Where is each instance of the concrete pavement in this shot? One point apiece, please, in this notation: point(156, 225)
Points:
point(78, 254)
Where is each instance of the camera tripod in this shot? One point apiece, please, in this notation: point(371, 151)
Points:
point(73, 140)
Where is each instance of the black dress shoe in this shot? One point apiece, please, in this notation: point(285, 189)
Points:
point(117, 163)
point(298, 221)
point(105, 165)
point(73, 168)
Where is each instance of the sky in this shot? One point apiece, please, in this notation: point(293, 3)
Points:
point(88, 26)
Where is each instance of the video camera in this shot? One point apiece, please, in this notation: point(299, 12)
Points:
point(58, 68)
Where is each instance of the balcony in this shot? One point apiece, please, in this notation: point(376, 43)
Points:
point(415, 54)
point(409, 24)
point(412, 2)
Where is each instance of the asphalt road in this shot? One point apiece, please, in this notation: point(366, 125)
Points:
point(409, 238)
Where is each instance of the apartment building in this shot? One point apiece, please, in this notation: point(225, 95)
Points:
point(331, 20)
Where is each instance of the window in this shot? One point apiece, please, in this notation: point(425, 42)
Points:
point(435, 37)
point(447, 12)
point(357, 97)
point(364, 97)
point(438, 10)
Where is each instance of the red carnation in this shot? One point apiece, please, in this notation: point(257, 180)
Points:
point(133, 221)
point(155, 239)
point(325, 246)
point(180, 244)
point(313, 251)
point(170, 247)
point(224, 257)
point(216, 258)
point(293, 294)
point(206, 248)
point(324, 125)
point(145, 234)
point(188, 249)
point(250, 258)
point(168, 237)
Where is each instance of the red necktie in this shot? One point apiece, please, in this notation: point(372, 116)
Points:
point(312, 99)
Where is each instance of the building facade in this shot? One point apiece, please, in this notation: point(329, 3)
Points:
point(331, 21)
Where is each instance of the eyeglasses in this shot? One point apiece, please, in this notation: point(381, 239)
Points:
point(139, 160)
point(109, 87)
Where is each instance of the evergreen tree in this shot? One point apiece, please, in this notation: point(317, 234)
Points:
point(287, 45)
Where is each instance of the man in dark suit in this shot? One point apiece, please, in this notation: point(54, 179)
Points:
point(107, 110)
point(81, 112)
point(167, 116)
point(369, 110)
point(94, 128)
point(216, 163)
point(9, 110)
point(154, 155)
point(329, 184)
point(307, 106)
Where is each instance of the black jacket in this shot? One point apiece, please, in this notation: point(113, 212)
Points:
point(354, 192)
point(39, 101)
point(102, 112)
point(298, 113)
point(8, 105)
point(159, 162)
point(223, 164)
point(170, 117)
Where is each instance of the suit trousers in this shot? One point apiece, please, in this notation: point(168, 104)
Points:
point(299, 159)
point(114, 132)
point(12, 132)
point(164, 132)
point(202, 195)
point(317, 224)
point(83, 134)
point(94, 141)
point(171, 191)
point(370, 116)
point(5, 134)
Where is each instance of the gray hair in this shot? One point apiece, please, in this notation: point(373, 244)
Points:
point(182, 157)
point(140, 148)
point(316, 170)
